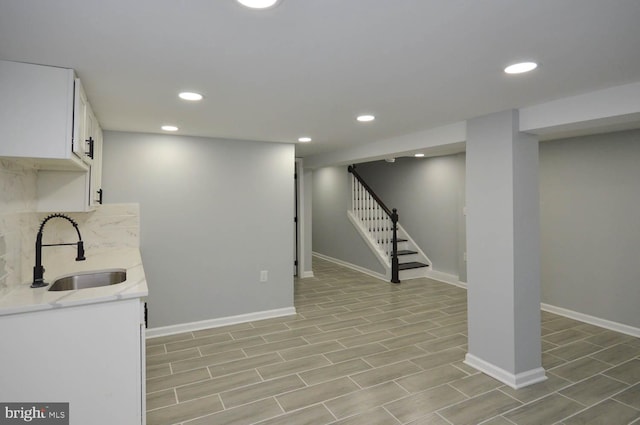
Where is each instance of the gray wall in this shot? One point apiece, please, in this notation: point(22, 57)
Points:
point(214, 213)
point(333, 233)
point(590, 225)
point(429, 196)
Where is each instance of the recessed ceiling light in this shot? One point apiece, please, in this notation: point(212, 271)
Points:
point(258, 4)
point(304, 139)
point(365, 118)
point(169, 128)
point(418, 155)
point(519, 68)
point(188, 95)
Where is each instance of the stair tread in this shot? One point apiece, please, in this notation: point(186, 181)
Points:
point(411, 265)
point(406, 252)
point(399, 240)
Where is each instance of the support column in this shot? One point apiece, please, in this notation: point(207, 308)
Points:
point(503, 250)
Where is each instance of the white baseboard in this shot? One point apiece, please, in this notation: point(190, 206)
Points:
point(305, 275)
point(515, 381)
point(592, 320)
point(446, 278)
point(351, 266)
point(221, 321)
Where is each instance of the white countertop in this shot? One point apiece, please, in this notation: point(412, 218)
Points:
point(23, 299)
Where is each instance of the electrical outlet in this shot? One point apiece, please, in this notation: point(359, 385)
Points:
point(264, 275)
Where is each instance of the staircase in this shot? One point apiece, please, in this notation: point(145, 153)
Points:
point(378, 226)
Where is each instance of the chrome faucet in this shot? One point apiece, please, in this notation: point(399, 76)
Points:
point(38, 270)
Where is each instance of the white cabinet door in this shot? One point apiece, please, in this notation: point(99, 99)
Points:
point(63, 191)
point(36, 111)
point(81, 121)
point(88, 356)
point(95, 197)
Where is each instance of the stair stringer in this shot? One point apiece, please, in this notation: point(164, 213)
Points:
point(421, 257)
point(380, 254)
point(371, 243)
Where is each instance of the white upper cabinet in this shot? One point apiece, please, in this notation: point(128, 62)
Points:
point(43, 113)
point(64, 190)
point(46, 119)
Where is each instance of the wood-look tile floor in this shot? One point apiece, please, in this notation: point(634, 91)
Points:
point(362, 351)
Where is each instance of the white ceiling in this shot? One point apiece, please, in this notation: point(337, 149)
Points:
point(308, 67)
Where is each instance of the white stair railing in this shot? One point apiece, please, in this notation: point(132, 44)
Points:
point(373, 217)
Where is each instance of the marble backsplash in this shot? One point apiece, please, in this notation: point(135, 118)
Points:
point(109, 226)
point(17, 214)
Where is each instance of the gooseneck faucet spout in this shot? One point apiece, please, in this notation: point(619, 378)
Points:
point(38, 269)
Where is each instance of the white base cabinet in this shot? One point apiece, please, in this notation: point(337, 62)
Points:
point(91, 356)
